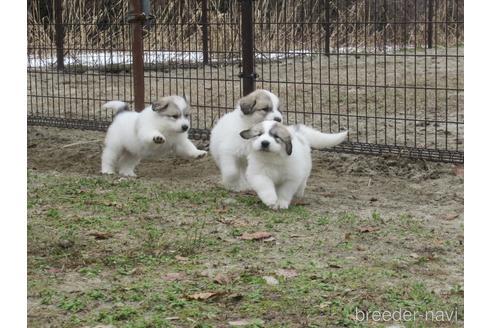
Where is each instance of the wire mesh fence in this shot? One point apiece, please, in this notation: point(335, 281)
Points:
point(391, 71)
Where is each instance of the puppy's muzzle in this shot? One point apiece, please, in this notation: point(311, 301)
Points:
point(265, 144)
point(184, 127)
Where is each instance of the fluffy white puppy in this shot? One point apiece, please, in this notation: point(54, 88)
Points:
point(228, 149)
point(279, 160)
point(133, 136)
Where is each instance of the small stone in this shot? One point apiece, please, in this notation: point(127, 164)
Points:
point(229, 201)
point(64, 243)
point(270, 280)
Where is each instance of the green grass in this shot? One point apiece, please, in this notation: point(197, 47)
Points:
point(149, 230)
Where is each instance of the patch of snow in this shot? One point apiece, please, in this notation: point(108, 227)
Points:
point(94, 59)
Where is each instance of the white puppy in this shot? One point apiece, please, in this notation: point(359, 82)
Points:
point(228, 149)
point(279, 161)
point(158, 128)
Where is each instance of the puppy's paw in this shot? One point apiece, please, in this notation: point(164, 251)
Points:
point(158, 139)
point(108, 172)
point(282, 204)
point(129, 174)
point(271, 204)
point(200, 154)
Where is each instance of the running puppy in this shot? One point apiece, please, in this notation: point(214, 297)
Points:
point(228, 149)
point(279, 161)
point(158, 128)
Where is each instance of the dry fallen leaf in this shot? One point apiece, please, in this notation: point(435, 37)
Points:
point(235, 297)
point(240, 223)
point(221, 210)
point(334, 266)
point(222, 279)
point(449, 216)
point(54, 270)
point(368, 229)
point(115, 204)
point(255, 235)
point(172, 318)
point(181, 258)
point(299, 202)
point(286, 273)
point(174, 276)
point(270, 280)
point(202, 296)
point(100, 235)
point(233, 222)
point(245, 322)
point(459, 170)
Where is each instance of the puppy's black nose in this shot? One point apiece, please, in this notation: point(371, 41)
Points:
point(278, 119)
point(184, 127)
point(265, 144)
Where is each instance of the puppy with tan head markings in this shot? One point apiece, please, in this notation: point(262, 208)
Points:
point(279, 160)
point(159, 128)
point(228, 149)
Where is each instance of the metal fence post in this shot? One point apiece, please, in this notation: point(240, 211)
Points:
point(429, 23)
point(248, 53)
point(59, 35)
point(204, 23)
point(137, 18)
point(327, 27)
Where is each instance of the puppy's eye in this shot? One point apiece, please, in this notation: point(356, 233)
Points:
point(265, 109)
point(186, 115)
point(175, 117)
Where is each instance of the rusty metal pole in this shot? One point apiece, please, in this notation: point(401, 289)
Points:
point(248, 54)
point(204, 23)
point(430, 16)
point(327, 27)
point(137, 19)
point(59, 35)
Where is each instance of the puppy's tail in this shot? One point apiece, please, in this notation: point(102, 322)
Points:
point(119, 106)
point(320, 140)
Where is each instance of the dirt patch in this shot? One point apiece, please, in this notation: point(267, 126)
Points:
point(372, 232)
point(362, 180)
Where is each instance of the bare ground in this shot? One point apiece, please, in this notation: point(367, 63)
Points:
point(373, 233)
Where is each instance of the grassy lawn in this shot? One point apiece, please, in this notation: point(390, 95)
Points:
point(142, 253)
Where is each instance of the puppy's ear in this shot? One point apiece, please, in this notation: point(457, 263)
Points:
point(187, 100)
point(283, 134)
point(288, 147)
point(247, 134)
point(247, 104)
point(160, 105)
point(253, 132)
